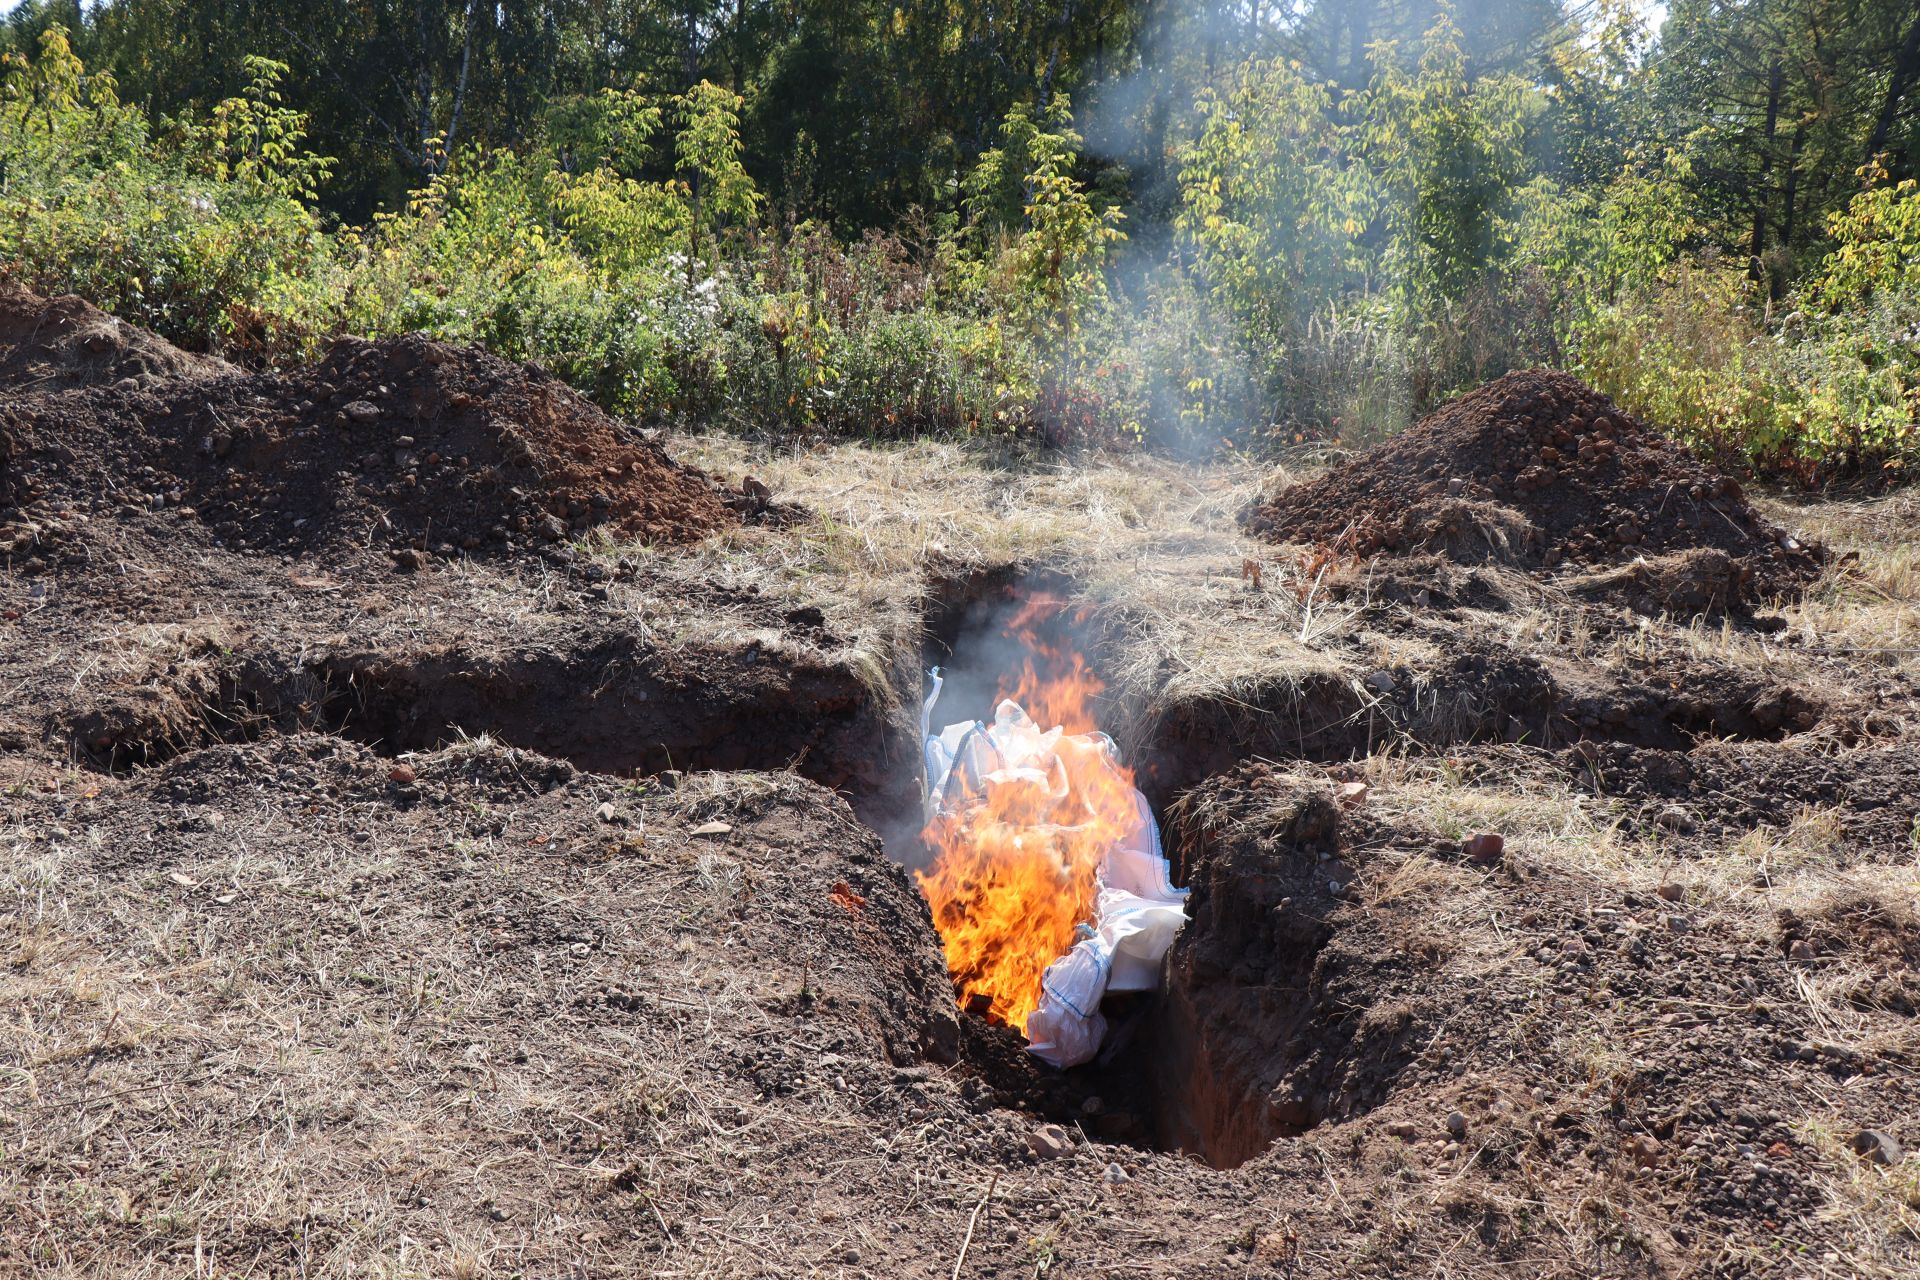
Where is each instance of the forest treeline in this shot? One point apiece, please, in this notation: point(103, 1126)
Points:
point(1184, 223)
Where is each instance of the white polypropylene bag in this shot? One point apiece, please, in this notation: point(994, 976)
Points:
point(1137, 911)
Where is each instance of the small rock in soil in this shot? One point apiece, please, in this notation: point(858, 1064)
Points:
point(1876, 1146)
point(1049, 1141)
point(1672, 892)
point(402, 774)
point(1485, 847)
point(1644, 1150)
point(712, 829)
point(1115, 1174)
point(1457, 1125)
point(1352, 794)
point(1677, 820)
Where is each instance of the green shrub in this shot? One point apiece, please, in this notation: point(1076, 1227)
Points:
point(1814, 394)
point(1337, 268)
point(206, 240)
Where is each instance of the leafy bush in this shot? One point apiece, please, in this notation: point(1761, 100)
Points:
point(1337, 266)
point(206, 240)
point(1814, 394)
point(1876, 249)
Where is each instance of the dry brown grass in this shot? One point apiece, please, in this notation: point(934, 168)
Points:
point(1877, 1209)
point(1867, 609)
point(1154, 545)
point(281, 1049)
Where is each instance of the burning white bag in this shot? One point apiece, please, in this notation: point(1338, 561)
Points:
point(1034, 832)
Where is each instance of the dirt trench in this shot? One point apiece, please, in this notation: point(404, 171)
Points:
point(1249, 1040)
point(551, 833)
point(594, 695)
point(1284, 1006)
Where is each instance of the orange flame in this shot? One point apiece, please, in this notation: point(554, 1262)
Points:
point(1016, 858)
point(1062, 697)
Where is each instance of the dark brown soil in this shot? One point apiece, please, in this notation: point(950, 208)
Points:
point(352, 547)
point(1873, 789)
point(200, 644)
point(1273, 1019)
point(1483, 688)
point(648, 1028)
point(1537, 468)
point(370, 908)
point(1329, 975)
point(54, 344)
point(409, 445)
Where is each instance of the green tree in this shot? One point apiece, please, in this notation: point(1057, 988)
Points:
point(707, 155)
point(1446, 155)
point(1055, 251)
point(1779, 103)
point(1268, 208)
point(256, 142)
point(1876, 249)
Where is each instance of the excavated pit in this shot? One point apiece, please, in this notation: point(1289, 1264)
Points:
point(1237, 1049)
point(602, 701)
point(730, 952)
point(1284, 1004)
point(609, 704)
point(1282, 1007)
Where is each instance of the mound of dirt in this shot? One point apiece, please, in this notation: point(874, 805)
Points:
point(407, 443)
point(56, 344)
point(1538, 468)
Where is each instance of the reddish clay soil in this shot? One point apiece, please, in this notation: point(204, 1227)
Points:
point(1537, 468)
point(54, 344)
point(408, 444)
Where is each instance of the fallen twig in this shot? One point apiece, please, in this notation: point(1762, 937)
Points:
point(972, 1222)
